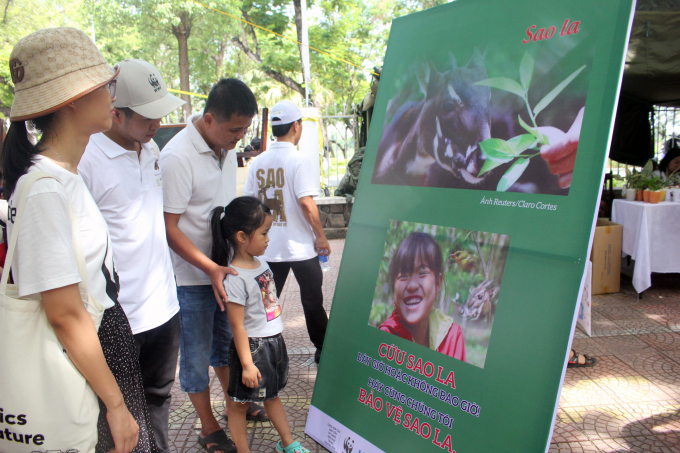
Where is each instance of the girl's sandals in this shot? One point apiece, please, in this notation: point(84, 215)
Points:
point(295, 447)
point(574, 361)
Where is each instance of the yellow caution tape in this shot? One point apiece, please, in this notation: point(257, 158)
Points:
point(172, 90)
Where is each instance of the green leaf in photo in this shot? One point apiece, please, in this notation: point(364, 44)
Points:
point(543, 103)
point(505, 84)
point(496, 149)
point(542, 139)
point(491, 164)
point(521, 143)
point(526, 70)
point(512, 175)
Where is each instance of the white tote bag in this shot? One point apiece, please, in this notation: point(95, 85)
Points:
point(46, 404)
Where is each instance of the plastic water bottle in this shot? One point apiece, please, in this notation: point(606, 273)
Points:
point(325, 264)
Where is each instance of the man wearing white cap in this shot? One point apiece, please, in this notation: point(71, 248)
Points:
point(121, 169)
point(284, 179)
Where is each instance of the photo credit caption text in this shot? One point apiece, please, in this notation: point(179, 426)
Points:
point(518, 204)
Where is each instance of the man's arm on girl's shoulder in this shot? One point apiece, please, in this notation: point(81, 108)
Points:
point(182, 245)
point(251, 375)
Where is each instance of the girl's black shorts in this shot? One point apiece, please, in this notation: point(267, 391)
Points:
point(270, 357)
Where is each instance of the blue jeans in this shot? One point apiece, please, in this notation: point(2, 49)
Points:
point(205, 336)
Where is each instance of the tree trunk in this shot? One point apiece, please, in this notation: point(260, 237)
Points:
point(218, 57)
point(182, 31)
point(4, 18)
point(298, 28)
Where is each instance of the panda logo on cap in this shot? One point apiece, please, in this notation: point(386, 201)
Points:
point(153, 81)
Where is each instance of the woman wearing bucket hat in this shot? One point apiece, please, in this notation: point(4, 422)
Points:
point(66, 89)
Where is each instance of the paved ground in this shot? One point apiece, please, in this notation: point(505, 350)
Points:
point(184, 424)
point(629, 402)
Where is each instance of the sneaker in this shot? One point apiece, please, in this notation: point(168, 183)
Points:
point(295, 447)
point(317, 356)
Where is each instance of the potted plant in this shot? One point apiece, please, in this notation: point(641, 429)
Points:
point(672, 181)
point(632, 182)
point(654, 185)
point(646, 179)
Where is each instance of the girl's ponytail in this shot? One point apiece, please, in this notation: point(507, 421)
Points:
point(221, 247)
point(245, 214)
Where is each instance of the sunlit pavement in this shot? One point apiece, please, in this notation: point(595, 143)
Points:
point(629, 402)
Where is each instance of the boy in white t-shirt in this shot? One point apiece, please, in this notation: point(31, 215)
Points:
point(285, 181)
point(121, 170)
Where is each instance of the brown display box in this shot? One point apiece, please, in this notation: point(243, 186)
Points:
point(606, 257)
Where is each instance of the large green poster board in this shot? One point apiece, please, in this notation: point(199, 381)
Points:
point(456, 296)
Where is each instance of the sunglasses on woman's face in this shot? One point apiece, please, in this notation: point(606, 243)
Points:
point(111, 86)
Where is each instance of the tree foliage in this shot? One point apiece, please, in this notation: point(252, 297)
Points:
point(193, 46)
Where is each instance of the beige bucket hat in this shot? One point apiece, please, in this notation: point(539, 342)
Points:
point(53, 67)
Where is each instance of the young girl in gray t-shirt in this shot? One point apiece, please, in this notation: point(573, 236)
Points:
point(258, 362)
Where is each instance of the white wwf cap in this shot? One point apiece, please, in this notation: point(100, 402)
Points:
point(286, 111)
point(141, 89)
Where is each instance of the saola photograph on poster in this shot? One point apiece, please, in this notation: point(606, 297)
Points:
point(501, 122)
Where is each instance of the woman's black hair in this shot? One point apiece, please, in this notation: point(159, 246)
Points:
point(670, 155)
point(416, 246)
point(245, 214)
point(18, 153)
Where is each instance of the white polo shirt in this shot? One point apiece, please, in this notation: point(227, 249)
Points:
point(194, 182)
point(128, 191)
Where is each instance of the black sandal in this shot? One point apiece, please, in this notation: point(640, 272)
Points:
point(221, 441)
point(251, 415)
point(261, 415)
point(574, 361)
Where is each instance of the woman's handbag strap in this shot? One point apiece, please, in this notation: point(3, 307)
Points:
point(21, 194)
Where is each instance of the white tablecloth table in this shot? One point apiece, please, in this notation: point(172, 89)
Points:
point(651, 236)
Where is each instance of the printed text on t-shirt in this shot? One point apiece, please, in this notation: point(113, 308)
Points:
point(274, 180)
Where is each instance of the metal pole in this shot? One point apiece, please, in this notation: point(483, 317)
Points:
point(265, 120)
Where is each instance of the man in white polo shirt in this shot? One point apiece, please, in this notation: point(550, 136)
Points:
point(121, 169)
point(284, 179)
point(199, 174)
